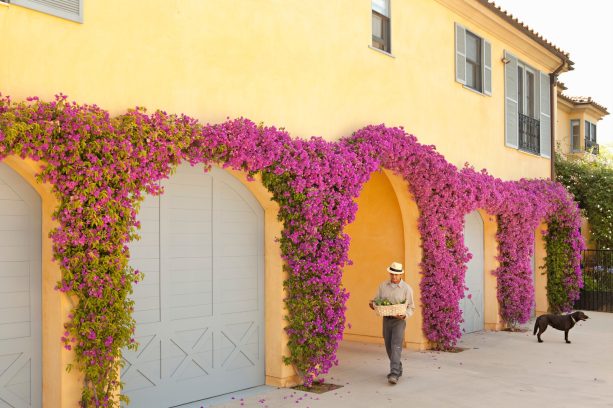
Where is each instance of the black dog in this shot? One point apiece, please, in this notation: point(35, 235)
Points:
point(560, 322)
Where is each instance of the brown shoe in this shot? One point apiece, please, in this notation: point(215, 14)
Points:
point(392, 379)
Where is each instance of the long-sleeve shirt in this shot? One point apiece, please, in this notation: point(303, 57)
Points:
point(397, 293)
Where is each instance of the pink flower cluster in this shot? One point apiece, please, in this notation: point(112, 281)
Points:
point(100, 167)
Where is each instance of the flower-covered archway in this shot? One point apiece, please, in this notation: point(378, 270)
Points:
point(100, 167)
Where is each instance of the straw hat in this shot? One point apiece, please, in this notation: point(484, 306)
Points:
point(395, 268)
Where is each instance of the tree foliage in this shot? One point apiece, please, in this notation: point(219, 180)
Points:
point(590, 180)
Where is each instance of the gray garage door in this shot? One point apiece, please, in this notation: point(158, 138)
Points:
point(472, 304)
point(20, 292)
point(200, 308)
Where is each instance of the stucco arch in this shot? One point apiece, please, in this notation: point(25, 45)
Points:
point(60, 388)
point(492, 320)
point(276, 339)
point(385, 229)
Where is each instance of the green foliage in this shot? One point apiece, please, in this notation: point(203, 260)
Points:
point(557, 263)
point(590, 180)
point(385, 302)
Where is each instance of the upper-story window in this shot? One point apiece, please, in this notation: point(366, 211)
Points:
point(591, 145)
point(381, 30)
point(473, 60)
point(68, 9)
point(527, 107)
point(529, 124)
point(526, 88)
point(575, 137)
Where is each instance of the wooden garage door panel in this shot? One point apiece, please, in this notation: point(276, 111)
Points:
point(20, 292)
point(472, 305)
point(208, 340)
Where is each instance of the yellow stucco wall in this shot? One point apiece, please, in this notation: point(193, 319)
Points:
point(377, 239)
point(303, 65)
point(564, 115)
point(540, 275)
point(385, 230)
point(491, 318)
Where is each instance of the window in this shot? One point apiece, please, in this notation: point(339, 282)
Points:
point(527, 94)
point(526, 89)
point(473, 60)
point(575, 137)
point(529, 125)
point(68, 9)
point(381, 25)
point(591, 145)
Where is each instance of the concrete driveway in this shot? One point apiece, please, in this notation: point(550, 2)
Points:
point(498, 369)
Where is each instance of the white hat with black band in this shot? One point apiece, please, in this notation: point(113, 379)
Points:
point(395, 268)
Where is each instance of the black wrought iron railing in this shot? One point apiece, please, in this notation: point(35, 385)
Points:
point(529, 134)
point(597, 292)
point(591, 146)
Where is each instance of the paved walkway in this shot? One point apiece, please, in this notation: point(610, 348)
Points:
point(499, 369)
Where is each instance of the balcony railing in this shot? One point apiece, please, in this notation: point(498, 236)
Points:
point(529, 134)
point(591, 146)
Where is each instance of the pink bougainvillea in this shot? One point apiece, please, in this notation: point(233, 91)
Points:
point(100, 167)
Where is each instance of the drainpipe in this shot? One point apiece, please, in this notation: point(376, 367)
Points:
point(552, 80)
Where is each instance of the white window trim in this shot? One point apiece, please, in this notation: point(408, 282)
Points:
point(389, 17)
point(572, 136)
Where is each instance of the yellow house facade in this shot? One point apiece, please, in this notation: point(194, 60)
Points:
point(577, 125)
point(461, 75)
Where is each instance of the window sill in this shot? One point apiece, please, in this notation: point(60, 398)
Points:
point(382, 52)
point(528, 152)
point(474, 90)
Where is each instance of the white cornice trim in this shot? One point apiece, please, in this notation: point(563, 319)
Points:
point(519, 42)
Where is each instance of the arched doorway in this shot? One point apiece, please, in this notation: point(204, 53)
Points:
point(472, 304)
point(377, 239)
point(20, 292)
point(200, 308)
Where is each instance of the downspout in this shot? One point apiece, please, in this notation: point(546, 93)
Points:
point(552, 81)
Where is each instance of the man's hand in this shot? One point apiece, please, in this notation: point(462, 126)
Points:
point(370, 304)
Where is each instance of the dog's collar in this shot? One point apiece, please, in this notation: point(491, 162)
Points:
point(572, 318)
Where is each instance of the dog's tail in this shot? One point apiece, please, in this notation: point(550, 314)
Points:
point(536, 325)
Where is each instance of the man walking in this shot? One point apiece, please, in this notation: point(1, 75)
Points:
point(396, 291)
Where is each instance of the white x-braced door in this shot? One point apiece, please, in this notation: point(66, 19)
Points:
point(472, 304)
point(200, 308)
point(20, 292)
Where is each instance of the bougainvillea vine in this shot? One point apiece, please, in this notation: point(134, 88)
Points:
point(100, 167)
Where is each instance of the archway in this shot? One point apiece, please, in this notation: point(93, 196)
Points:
point(59, 387)
point(541, 304)
point(20, 291)
point(201, 309)
point(384, 230)
point(473, 305)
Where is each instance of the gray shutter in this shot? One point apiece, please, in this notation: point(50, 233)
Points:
point(487, 67)
point(545, 114)
point(511, 133)
point(68, 9)
point(460, 54)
